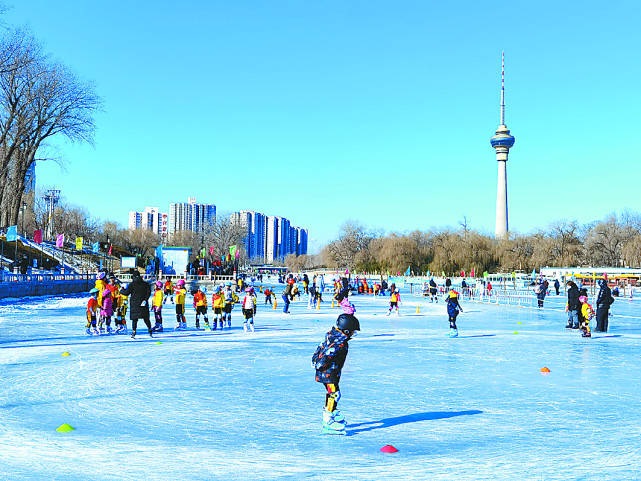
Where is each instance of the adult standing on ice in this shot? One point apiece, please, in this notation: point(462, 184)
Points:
point(573, 305)
point(138, 292)
point(603, 301)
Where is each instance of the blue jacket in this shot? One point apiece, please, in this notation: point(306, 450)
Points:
point(330, 355)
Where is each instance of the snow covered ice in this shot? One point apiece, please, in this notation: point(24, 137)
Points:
point(233, 405)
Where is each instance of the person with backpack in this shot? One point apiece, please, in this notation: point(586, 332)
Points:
point(328, 360)
point(603, 302)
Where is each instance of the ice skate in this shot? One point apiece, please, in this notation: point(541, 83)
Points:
point(157, 328)
point(95, 331)
point(178, 327)
point(222, 324)
point(453, 332)
point(389, 312)
point(184, 326)
point(88, 331)
point(331, 425)
point(251, 326)
point(197, 325)
point(228, 322)
point(109, 330)
point(245, 326)
point(207, 328)
point(151, 333)
point(133, 334)
point(215, 326)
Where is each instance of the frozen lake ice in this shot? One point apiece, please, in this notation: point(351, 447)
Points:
point(230, 405)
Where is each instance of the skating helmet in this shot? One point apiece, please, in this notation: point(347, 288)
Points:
point(158, 285)
point(228, 284)
point(101, 275)
point(583, 299)
point(396, 291)
point(348, 323)
point(453, 293)
point(94, 291)
point(181, 282)
point(248, 290)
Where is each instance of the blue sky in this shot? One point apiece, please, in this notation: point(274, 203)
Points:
point(377, 111)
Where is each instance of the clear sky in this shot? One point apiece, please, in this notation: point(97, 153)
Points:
point(378, 111)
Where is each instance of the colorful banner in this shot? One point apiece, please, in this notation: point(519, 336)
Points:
point(60, 241)
point(110, 248)
point(232, 251)
point(211, 251)
point(407, 272)
point(12, 233)
point(37, 236)
point(95, 247)
point(79, 243)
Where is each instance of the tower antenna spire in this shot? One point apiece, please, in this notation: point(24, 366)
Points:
point(503, 88)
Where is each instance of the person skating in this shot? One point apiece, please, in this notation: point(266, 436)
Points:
point(603, 302)
point(121, 313)
point(587, 313)
point(230, 299)
point(92, 308)
point(218, 304)
point(106, 311)
point(557, 286)
point(249, 309)
point(200, 304)
point(268, 296)
point(394, 301)
point(453, 309)
point(540, 291)
point(433, 291)
point(138, 292)
point(287, 295)
point(328, 360)
point(156, 306)
point(168, 291)
point(180, 293)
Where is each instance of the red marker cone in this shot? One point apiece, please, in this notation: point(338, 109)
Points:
point(545, 370)
point(388, 448)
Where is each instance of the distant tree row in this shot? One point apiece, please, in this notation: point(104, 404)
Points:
point(614, 241)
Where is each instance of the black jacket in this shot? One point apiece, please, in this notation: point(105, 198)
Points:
point(605, 296)
point(138, 292)
point(330, 356)
point(573, 299)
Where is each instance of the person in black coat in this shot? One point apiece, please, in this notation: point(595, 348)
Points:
point(573, 306)
point(138, 292)
point(603, 301)
point(557, 286)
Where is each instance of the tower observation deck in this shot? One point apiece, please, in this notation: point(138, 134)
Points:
point(501, 142)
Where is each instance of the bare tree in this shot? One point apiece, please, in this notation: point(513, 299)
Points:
point(39, 100)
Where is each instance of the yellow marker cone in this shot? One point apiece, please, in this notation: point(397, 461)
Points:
point(65, 428)
point(516, 332)
point(274, 304)
point(318, 306)
point(332, 302)
point(157, 342)
point(418, 311)
point(65, 354)
point(261, 289)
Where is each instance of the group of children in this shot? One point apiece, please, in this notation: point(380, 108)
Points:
point(106, 301)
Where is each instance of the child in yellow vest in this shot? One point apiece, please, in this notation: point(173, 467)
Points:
point(394, 301)
point(156, 304)
point(587, 313)
point(180, 293)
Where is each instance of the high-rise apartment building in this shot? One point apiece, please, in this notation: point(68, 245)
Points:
point(190, 216)
point(254, 238)
point(151, 219)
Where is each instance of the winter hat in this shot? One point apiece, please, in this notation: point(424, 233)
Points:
point(583, 299)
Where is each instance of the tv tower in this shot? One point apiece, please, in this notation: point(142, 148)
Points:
point(501, 142)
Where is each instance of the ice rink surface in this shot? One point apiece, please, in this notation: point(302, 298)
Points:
point(235, 406)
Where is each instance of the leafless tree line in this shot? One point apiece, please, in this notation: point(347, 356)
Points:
point(40, 100)
point(614, 241)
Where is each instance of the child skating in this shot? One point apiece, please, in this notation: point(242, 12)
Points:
point(394, 301)
point(92, 308)
point(249, 309)
point(453, 309)
point(168, 291)
point(218, 304)
point(587, 314)
point(156, 306)
point(180, 292)
point(328, 360)
point(230, 299)
point(200, 304)
point(106, 311)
